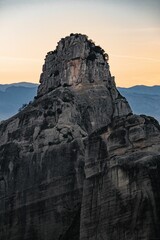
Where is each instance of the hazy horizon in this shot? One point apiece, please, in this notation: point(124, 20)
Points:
point(129, 31)
point(116, 86)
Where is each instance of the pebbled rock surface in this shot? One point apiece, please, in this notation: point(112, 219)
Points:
point(75, 163)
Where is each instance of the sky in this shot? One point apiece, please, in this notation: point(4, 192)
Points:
point(128, 30)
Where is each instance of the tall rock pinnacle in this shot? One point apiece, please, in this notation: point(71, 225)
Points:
point(75, 62)
point(76, 164)
point(81, 65)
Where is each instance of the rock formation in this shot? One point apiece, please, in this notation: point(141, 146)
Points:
point(76, 164)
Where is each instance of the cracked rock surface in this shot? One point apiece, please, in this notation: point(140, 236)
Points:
point(76, 164)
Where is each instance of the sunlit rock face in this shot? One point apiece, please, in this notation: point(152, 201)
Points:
point(76, 163)
point(76, 62)
point(80, 65)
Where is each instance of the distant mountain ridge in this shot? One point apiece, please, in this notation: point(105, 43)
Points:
point(3, 87)
point(152, 90)
point(13, 96)
point(143, 99)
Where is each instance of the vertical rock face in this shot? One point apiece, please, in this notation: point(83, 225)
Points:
point(76, 62)
point(76, 163)
point(120, 191)
point(80, 65)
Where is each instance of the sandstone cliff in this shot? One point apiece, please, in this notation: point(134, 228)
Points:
point(76, 163)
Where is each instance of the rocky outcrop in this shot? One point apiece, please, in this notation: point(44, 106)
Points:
point(120, 192)
point(80, 65)
point(76, 163)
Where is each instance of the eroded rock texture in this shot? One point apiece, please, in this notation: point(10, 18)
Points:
point(76, 163)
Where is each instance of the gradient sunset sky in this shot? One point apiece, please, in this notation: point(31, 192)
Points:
point(128, 30)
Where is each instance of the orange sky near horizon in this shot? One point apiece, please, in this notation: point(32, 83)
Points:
point(129, 32)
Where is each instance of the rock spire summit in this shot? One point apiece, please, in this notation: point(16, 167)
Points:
point(78, 64)
point(76, 61)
